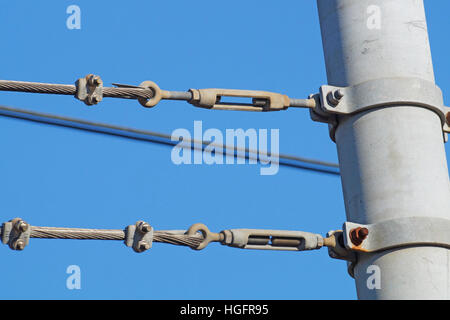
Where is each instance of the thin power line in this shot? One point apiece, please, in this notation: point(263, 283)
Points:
point(163, 139)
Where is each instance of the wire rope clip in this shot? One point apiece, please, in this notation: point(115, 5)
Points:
point(89, 89)
point(16, 233)
point(139, 236)
point(261, 100)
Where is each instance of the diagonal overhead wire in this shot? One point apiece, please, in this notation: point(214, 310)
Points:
point(164, 139)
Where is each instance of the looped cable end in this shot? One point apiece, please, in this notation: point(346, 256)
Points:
point(157, 94)
point(207, 235)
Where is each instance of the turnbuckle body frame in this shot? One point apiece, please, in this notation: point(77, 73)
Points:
point(261, 100)
point(280, 240)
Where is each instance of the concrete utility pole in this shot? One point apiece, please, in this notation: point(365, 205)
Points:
point(392, 157)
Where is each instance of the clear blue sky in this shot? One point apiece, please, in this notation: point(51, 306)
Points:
point(60, 177)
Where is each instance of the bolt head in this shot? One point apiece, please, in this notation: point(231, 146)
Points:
point(144, 227)
point(22, 226)
point(94, 80)
point(339, 94)
point(333, 100)
point(92, 100)
point(97, 81)
point(363, 233)
point(143, 245)
point(358, 235)
point(19, 245)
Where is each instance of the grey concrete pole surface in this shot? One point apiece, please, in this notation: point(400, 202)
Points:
point(392, 159)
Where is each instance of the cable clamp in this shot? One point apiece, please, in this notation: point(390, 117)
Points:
point(139, 236)
point(89, 89)
point(16, 233)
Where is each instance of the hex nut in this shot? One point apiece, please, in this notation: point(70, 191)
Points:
point(144, 227)
point(19, 245)
point(22, 226)
point(339, 94)
point(358, 235)
point(143, 246)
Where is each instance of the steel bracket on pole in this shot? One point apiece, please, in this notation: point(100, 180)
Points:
point(385, 92)
point(389, 234)
point(399, 232)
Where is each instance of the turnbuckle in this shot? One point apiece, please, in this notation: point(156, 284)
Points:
point(260, 239)
point(213, 99)
point(90, 90)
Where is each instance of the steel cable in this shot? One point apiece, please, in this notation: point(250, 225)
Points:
point(111, 234)
point(64, 89)
point(36, 87)
point(75, 233)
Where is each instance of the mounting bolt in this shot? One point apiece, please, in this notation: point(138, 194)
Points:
point(22, 226)
point(92, 100)
point(144, 227)
point(358, 235)
point(334, 97)
point(339, 94)
point(143, 246)
point(19, 245)
point(94, 80)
